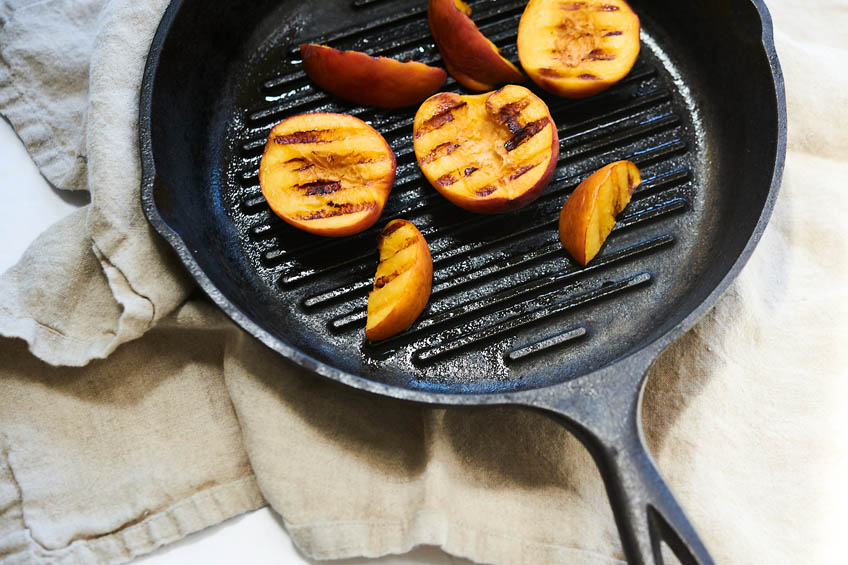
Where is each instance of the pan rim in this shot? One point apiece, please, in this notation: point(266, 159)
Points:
point(643, 356)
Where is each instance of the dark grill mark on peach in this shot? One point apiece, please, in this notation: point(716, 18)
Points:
point(571, 6)
point(305, 167)
point(616, 32)
point(320, 186)
point(546, 72)
point(391, 228)
point(333, 209)
point(520, 171)
point(443, 115)
point(607, 8)
point(587, 76)
point(599, 55)
point(385, 279)
point(446, 180)
point(410, 241)
point(486, 190)
point(312, 136)
point(525, 133)
point(470, 170)
point(508, 113)
point(439, 151)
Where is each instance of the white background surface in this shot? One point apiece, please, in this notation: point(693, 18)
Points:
point(28, 206)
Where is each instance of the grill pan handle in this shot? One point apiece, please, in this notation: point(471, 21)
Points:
point(603, 411)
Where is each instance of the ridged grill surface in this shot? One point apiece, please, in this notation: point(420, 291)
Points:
point(506, 300)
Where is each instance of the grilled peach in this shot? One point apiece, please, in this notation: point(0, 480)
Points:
point(588, 216)
point(474, 61)
point(577, 49)
point(373, 81)
point(402, 283)
point(488, 153)
point(328, 174)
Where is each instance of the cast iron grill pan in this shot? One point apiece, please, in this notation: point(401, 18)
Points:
point(511, 317)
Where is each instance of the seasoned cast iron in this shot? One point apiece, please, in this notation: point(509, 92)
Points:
point(512, 319)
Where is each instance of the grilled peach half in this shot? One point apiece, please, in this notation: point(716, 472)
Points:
point(588, 216)
point(487, 153)
point(327, 174)
point(474, 61)
point(578, 48)
point(372, 81)
point(402, 283)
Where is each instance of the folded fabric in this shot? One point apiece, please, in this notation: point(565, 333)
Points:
point(133, 412)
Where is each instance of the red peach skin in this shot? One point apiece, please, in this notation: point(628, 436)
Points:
point(371, 81)
point(473, 60)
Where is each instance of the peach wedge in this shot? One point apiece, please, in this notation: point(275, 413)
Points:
point(327, 174)
point(487, 153)
point(402, 283)
point(371, 81)
point(474, 61)
point(588, 216)
point(577, 49)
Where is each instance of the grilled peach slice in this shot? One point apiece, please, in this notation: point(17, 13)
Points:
point(588, 216)
point(372, 81)
point(488, 153)
point(402, 283)
point(327, 174)
point(577, 48)
point(474, 61)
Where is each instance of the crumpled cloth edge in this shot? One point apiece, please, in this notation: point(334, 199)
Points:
point(203, 509)
point(60, 348)
point(37, 136)
point(377, 538)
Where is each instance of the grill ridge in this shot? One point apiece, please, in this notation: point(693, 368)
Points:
point(454, 343)
point(538, 346)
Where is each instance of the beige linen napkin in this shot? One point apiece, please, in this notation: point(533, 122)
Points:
point(136, 413)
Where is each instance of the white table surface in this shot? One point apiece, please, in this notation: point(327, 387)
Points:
point(29, 206)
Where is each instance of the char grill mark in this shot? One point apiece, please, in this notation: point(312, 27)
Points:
point(385, 279)
point(443, 115)
point(409, 242)
point(599, 55)
point(548, 72)
point(334, 209)
point(521, 171)
point(446, 180)
point(440, 151)
point(320, 186)
point(391, 228)
point(508, 114)
point(312, 136)
point(525, 133)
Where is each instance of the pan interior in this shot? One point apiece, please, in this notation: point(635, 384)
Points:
point(509, 309)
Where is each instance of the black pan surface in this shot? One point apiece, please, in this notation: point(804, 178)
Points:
point(701, 113)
